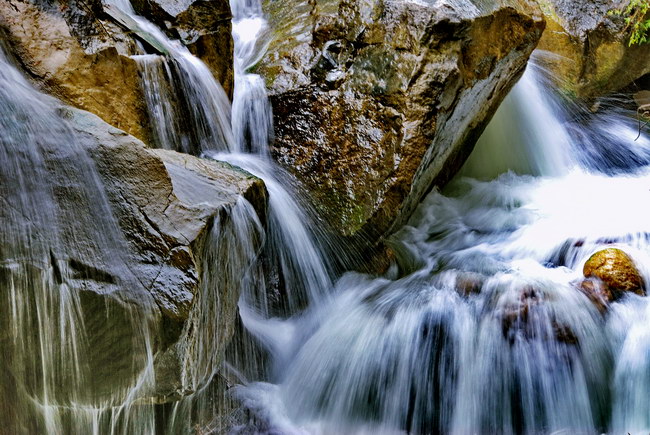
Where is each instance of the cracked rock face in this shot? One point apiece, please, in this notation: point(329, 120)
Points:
point(165, 204)
point(376, 102)
point(594, 55)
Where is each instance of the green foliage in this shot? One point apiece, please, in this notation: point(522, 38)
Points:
point(636, 19)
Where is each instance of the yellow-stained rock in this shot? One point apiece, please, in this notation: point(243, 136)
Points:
point(616, 269)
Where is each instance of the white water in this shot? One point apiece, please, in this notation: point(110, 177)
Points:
point(188, 109)
point(252, 119)
point(523, 351)
point(486, 333)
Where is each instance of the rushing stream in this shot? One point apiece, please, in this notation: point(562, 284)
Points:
point(477, 328)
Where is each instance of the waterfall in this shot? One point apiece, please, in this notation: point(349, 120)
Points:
point(188, 108)
point(526, 135)
point(252, 118)
point(486, 331)
point(479, 327)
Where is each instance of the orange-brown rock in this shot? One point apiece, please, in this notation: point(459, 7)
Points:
point(375, 102)
point(73, 56)
point(616, 269)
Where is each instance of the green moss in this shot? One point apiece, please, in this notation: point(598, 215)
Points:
point(637, 20)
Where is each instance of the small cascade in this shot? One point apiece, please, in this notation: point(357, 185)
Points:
point(252, 119)
point(188, 108)
point(183, 102)
point(526, 135)
point(229, 265)
point(172, 92)
point(292, 248)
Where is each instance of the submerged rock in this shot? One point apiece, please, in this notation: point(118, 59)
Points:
point(598, 293)
point(616, 270)
point(469, 283)
point(375, 102)
point(530, 318)
point(594, 56)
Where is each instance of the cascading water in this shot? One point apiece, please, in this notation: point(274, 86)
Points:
point(252, 119)
point(300, 274)
point(78, 346)
point(292, 245)
point(487, 333)
point(188, 109)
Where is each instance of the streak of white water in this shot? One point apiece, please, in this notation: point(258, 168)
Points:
point(290, 243)
point(525, 135)
point(489, 332)
point(188, 108)
point(252, 117)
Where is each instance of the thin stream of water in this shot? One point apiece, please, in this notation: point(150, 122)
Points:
point(478, 328)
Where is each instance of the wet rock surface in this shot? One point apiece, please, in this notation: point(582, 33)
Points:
point(594, 55)
point(164, 204)
point(376, 102)
point(72, 54)
point(616, 270)
point(598, 293)
point(76, 51)
point(530, 318)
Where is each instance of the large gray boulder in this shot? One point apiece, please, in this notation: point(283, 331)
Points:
point(166, 204)
point(376, 102)
point(120, 269)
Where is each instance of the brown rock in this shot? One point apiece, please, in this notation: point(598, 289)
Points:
point(616, 269)
point(598, 292)
point(594, 54)
point(468, 283)
point(377, 101)
point(528, 318)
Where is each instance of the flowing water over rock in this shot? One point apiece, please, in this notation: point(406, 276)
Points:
point(188, 108)
point(81, 348)
point(481, 326)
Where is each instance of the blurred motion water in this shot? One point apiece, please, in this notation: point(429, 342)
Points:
point(480, 327)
